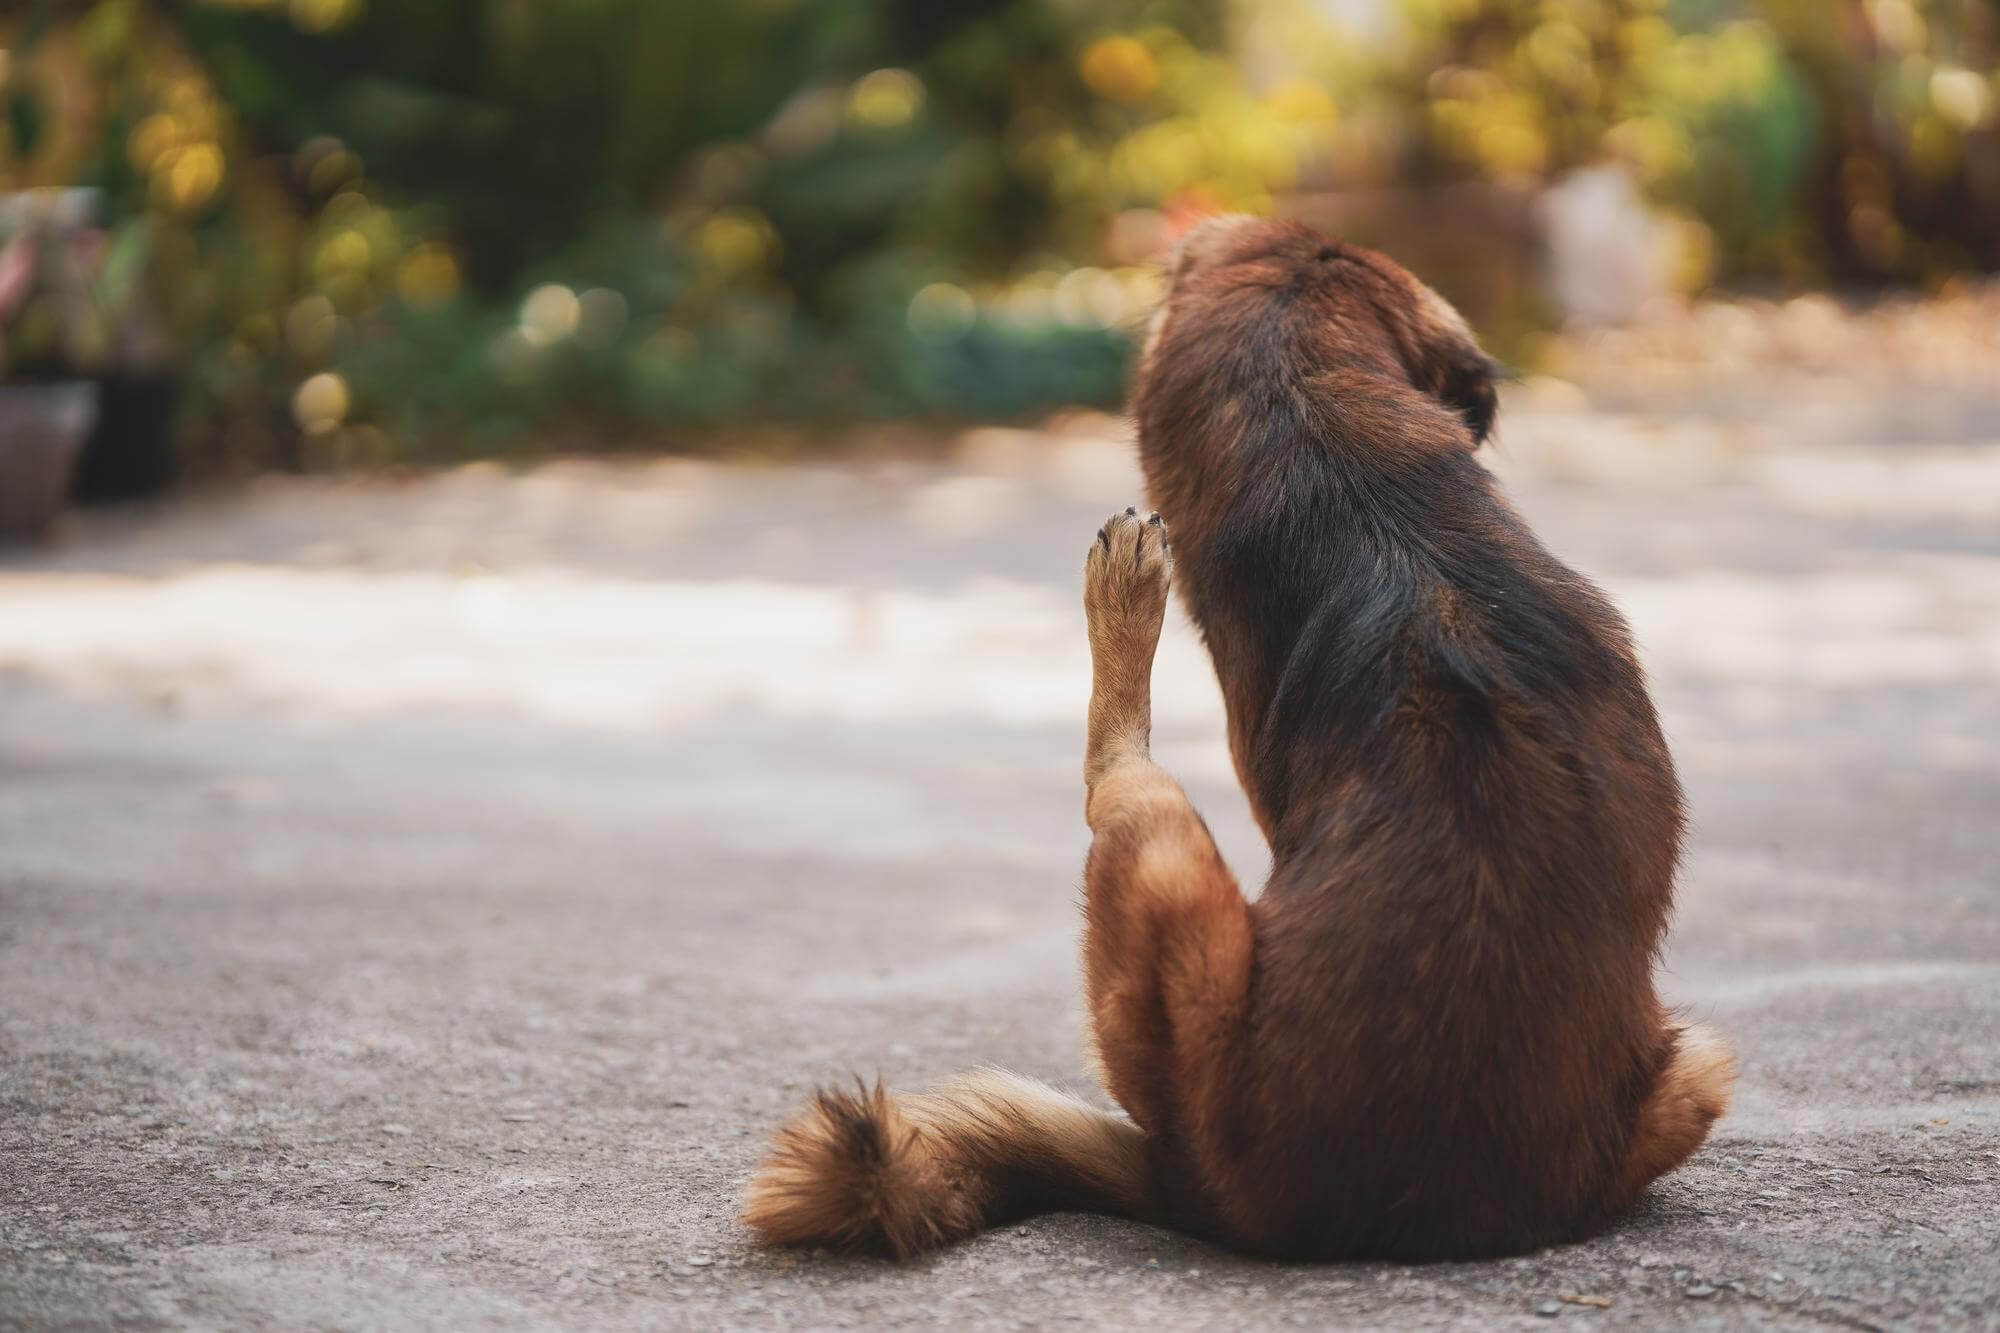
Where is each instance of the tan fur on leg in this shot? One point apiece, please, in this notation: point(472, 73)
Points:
point(1167, 943)
point(1125, 578)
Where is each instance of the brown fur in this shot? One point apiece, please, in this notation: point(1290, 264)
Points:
point(1435, 1033)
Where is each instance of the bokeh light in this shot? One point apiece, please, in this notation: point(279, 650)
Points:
point(428, 277)
point(941, 312)
point(550, 313)
point(887, 99)
point(1119, 67)
point(321, 403)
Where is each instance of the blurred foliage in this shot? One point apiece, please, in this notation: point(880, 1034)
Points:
point(1807, 140)
point(446, 227)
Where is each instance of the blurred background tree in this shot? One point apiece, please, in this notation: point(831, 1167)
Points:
point(450, 227)
point(1810, 140)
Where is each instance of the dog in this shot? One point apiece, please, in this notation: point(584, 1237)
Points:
point(1435, 1034)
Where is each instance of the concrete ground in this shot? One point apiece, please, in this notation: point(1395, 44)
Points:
point(419, 899)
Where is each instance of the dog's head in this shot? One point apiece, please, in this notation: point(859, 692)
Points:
point(1257, 306)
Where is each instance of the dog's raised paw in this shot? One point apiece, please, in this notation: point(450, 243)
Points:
point(1126, 573)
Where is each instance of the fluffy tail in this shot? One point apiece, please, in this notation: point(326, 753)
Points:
point(865, 1170)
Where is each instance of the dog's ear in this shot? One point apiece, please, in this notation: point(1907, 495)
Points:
point(1445, 360)
point(1437, 349)
point(1467, 387)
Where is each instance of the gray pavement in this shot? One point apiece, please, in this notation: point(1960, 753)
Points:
point(420, 898)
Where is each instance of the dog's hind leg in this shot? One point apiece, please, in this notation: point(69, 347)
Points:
point(1167, 939)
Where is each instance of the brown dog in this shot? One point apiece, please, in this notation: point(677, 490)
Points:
point(1435, 1033)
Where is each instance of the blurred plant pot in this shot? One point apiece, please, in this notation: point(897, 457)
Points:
point(130, 453)
point(42, 433)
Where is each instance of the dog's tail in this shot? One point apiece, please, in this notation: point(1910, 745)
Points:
point(868, 1170)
